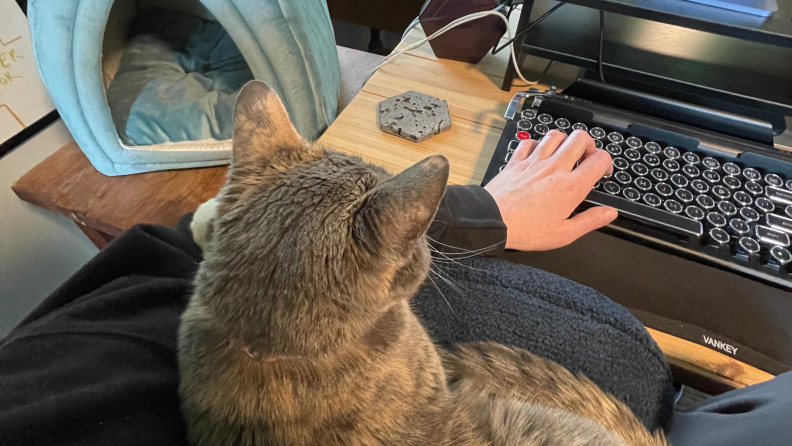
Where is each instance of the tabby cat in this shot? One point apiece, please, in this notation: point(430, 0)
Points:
point(299, 330)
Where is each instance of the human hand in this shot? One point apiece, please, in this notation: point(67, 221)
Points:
point(540, 187)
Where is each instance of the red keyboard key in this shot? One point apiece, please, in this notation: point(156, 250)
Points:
point(523, 135)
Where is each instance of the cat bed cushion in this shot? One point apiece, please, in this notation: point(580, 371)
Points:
point(488, 299)
point(289, 45)
point(177, 81)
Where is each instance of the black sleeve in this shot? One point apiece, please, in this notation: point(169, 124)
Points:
point(95, 363)
point(469, 220)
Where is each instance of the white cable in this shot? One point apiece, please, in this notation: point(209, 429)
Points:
point(454, 24)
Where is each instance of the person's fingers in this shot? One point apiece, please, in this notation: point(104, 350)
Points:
point(594, 167)
point(549, 144)
point(524, 150)
point(576, 146)
point(587, 221)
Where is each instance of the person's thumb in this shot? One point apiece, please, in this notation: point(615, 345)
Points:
point(587, 221)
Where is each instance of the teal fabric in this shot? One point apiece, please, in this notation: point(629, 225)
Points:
point(177, 81)
point(287, 44)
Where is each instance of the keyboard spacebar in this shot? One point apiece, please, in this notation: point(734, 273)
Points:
point(647, 214)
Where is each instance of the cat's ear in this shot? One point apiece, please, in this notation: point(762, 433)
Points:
point(400, 209)
point(261, 123)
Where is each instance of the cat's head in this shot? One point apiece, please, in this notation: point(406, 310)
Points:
point(303, 227)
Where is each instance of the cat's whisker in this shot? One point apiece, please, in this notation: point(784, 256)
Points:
point(458, 287)
point(450, 260)
point(441, 293)
point(462, 250)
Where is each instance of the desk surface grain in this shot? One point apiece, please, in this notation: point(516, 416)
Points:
point(66, 182)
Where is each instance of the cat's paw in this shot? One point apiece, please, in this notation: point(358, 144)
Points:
point(202, 225)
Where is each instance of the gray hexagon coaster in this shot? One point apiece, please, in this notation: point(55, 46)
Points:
point(413, 116)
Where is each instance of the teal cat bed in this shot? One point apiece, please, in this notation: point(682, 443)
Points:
point(147, 85)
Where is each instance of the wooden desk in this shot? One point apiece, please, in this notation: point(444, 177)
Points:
point(104, 207)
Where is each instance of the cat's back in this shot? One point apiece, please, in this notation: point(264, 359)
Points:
point(388, 391)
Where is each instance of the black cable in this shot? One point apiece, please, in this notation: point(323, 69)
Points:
point(528, 28)
point(601, 39)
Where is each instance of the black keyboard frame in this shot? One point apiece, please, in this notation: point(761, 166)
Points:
point(721, 146)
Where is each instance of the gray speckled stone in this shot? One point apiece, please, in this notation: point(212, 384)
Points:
point(413, 116)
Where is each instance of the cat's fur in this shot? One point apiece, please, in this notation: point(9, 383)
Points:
point(299, 330)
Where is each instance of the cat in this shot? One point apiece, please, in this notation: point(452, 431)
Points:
point(299, 329)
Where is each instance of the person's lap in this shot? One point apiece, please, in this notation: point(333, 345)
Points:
point(60, 384)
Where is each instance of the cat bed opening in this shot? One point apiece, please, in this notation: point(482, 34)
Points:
point(149, 85)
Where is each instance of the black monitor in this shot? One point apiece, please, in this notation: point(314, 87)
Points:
point(686, 50)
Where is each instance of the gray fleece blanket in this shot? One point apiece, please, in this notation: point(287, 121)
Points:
point(553, 317)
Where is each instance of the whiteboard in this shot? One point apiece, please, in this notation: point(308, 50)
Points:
point(23, 97)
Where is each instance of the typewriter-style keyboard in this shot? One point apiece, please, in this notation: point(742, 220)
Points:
point(729, 211)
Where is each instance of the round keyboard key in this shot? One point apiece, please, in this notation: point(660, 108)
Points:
point(631, 194)
point(611, 188)
point(751, 174)
point(748, 245)
point(671, 165)
point(679, 180)
point(652, 200)
point(694, 212)
point(711, 176)
point(523, 135)
point(642, 184)
point(653, 147)
point(742, 198)
point(562, 123)
point(500, 169)
point(524, 124)
point(580, 126)
point(620, 163)
point(671, 153)
point(710, 163)
point(664, 190)
point(691, 158)
point(764, 205)
point(658, 175)
point(614, 149)
point(716, 220)
point(731, 169)
point(691, 171)
point(597, 133)
point(738, 227)
point(634, 142)
point(718, 236)
point(788, 211)
point(598, 144)
point(673, 206)
point(789, 184)
point(721, 192)
point(632, 155)
point(615, 137)
point(749, 214)
point(623, 177)
point(541, 129)
point(727, 208)
point(699, 186)
point(773, 180)
point(529, 113)
point(754, 188)
point(639, 169)
point(705, 201)
point(780, 255)
point(544, 118)
point(732, 182)
point(683, 195)
point(651, 160)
